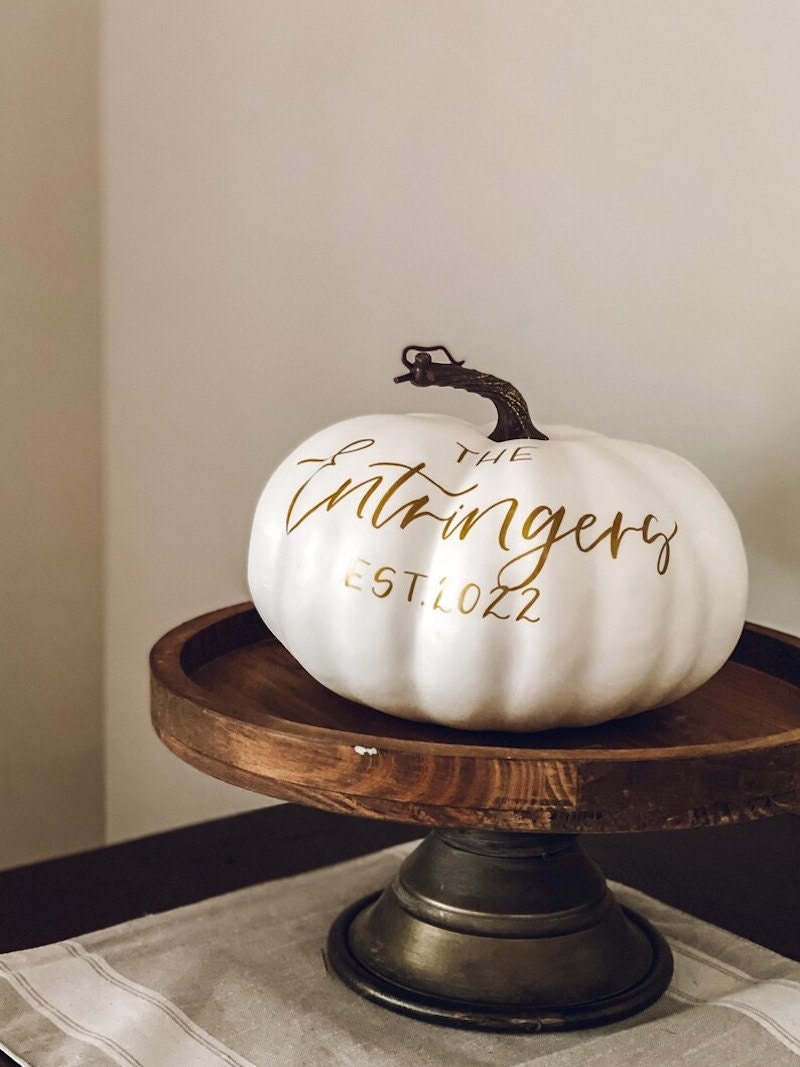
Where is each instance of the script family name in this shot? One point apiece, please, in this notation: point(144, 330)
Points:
point(386, 493)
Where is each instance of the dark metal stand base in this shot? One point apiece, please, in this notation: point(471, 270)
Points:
point(500, 931)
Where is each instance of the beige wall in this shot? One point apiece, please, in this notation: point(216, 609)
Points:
point(51, 769)
point(598, 200)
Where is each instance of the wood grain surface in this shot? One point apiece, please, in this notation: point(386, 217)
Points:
point(230, 700)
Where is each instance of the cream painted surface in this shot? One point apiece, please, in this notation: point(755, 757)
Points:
point(596, 200)
point(51, 752)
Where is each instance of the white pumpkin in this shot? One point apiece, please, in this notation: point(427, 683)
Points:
point(415, 565)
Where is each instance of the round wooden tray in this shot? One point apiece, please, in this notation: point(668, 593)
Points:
point(230, 700)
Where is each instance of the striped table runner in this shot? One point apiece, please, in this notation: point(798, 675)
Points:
point(239, 980)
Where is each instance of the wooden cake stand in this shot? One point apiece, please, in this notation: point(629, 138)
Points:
point(498, 920)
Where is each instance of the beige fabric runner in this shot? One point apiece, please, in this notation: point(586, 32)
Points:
point(240, 981)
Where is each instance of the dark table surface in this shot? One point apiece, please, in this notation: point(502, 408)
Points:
point(744, 878)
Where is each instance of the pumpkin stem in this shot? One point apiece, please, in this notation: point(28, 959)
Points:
point(513, 417)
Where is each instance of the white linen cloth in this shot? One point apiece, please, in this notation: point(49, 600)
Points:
point(240, 981)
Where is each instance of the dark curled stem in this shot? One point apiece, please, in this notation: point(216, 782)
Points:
point(513, 418)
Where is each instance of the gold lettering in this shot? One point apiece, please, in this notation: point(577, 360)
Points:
point(437, 604)
point(336, 497)
point(520, 453)
point(488, 457)
point(412, 508)
point(414, 575)
point(552, 524)
point(533, 595)
point(465, 452)
point(617, 531)
point(410, 494)
point(330, 461)
point(463, 524)
point(463, 607)
point(663, 556)
point(502, 591)
point(583, 523)
point(380, 580)
point(352, 574)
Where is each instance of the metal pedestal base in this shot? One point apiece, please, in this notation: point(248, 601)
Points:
point(500, 931)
